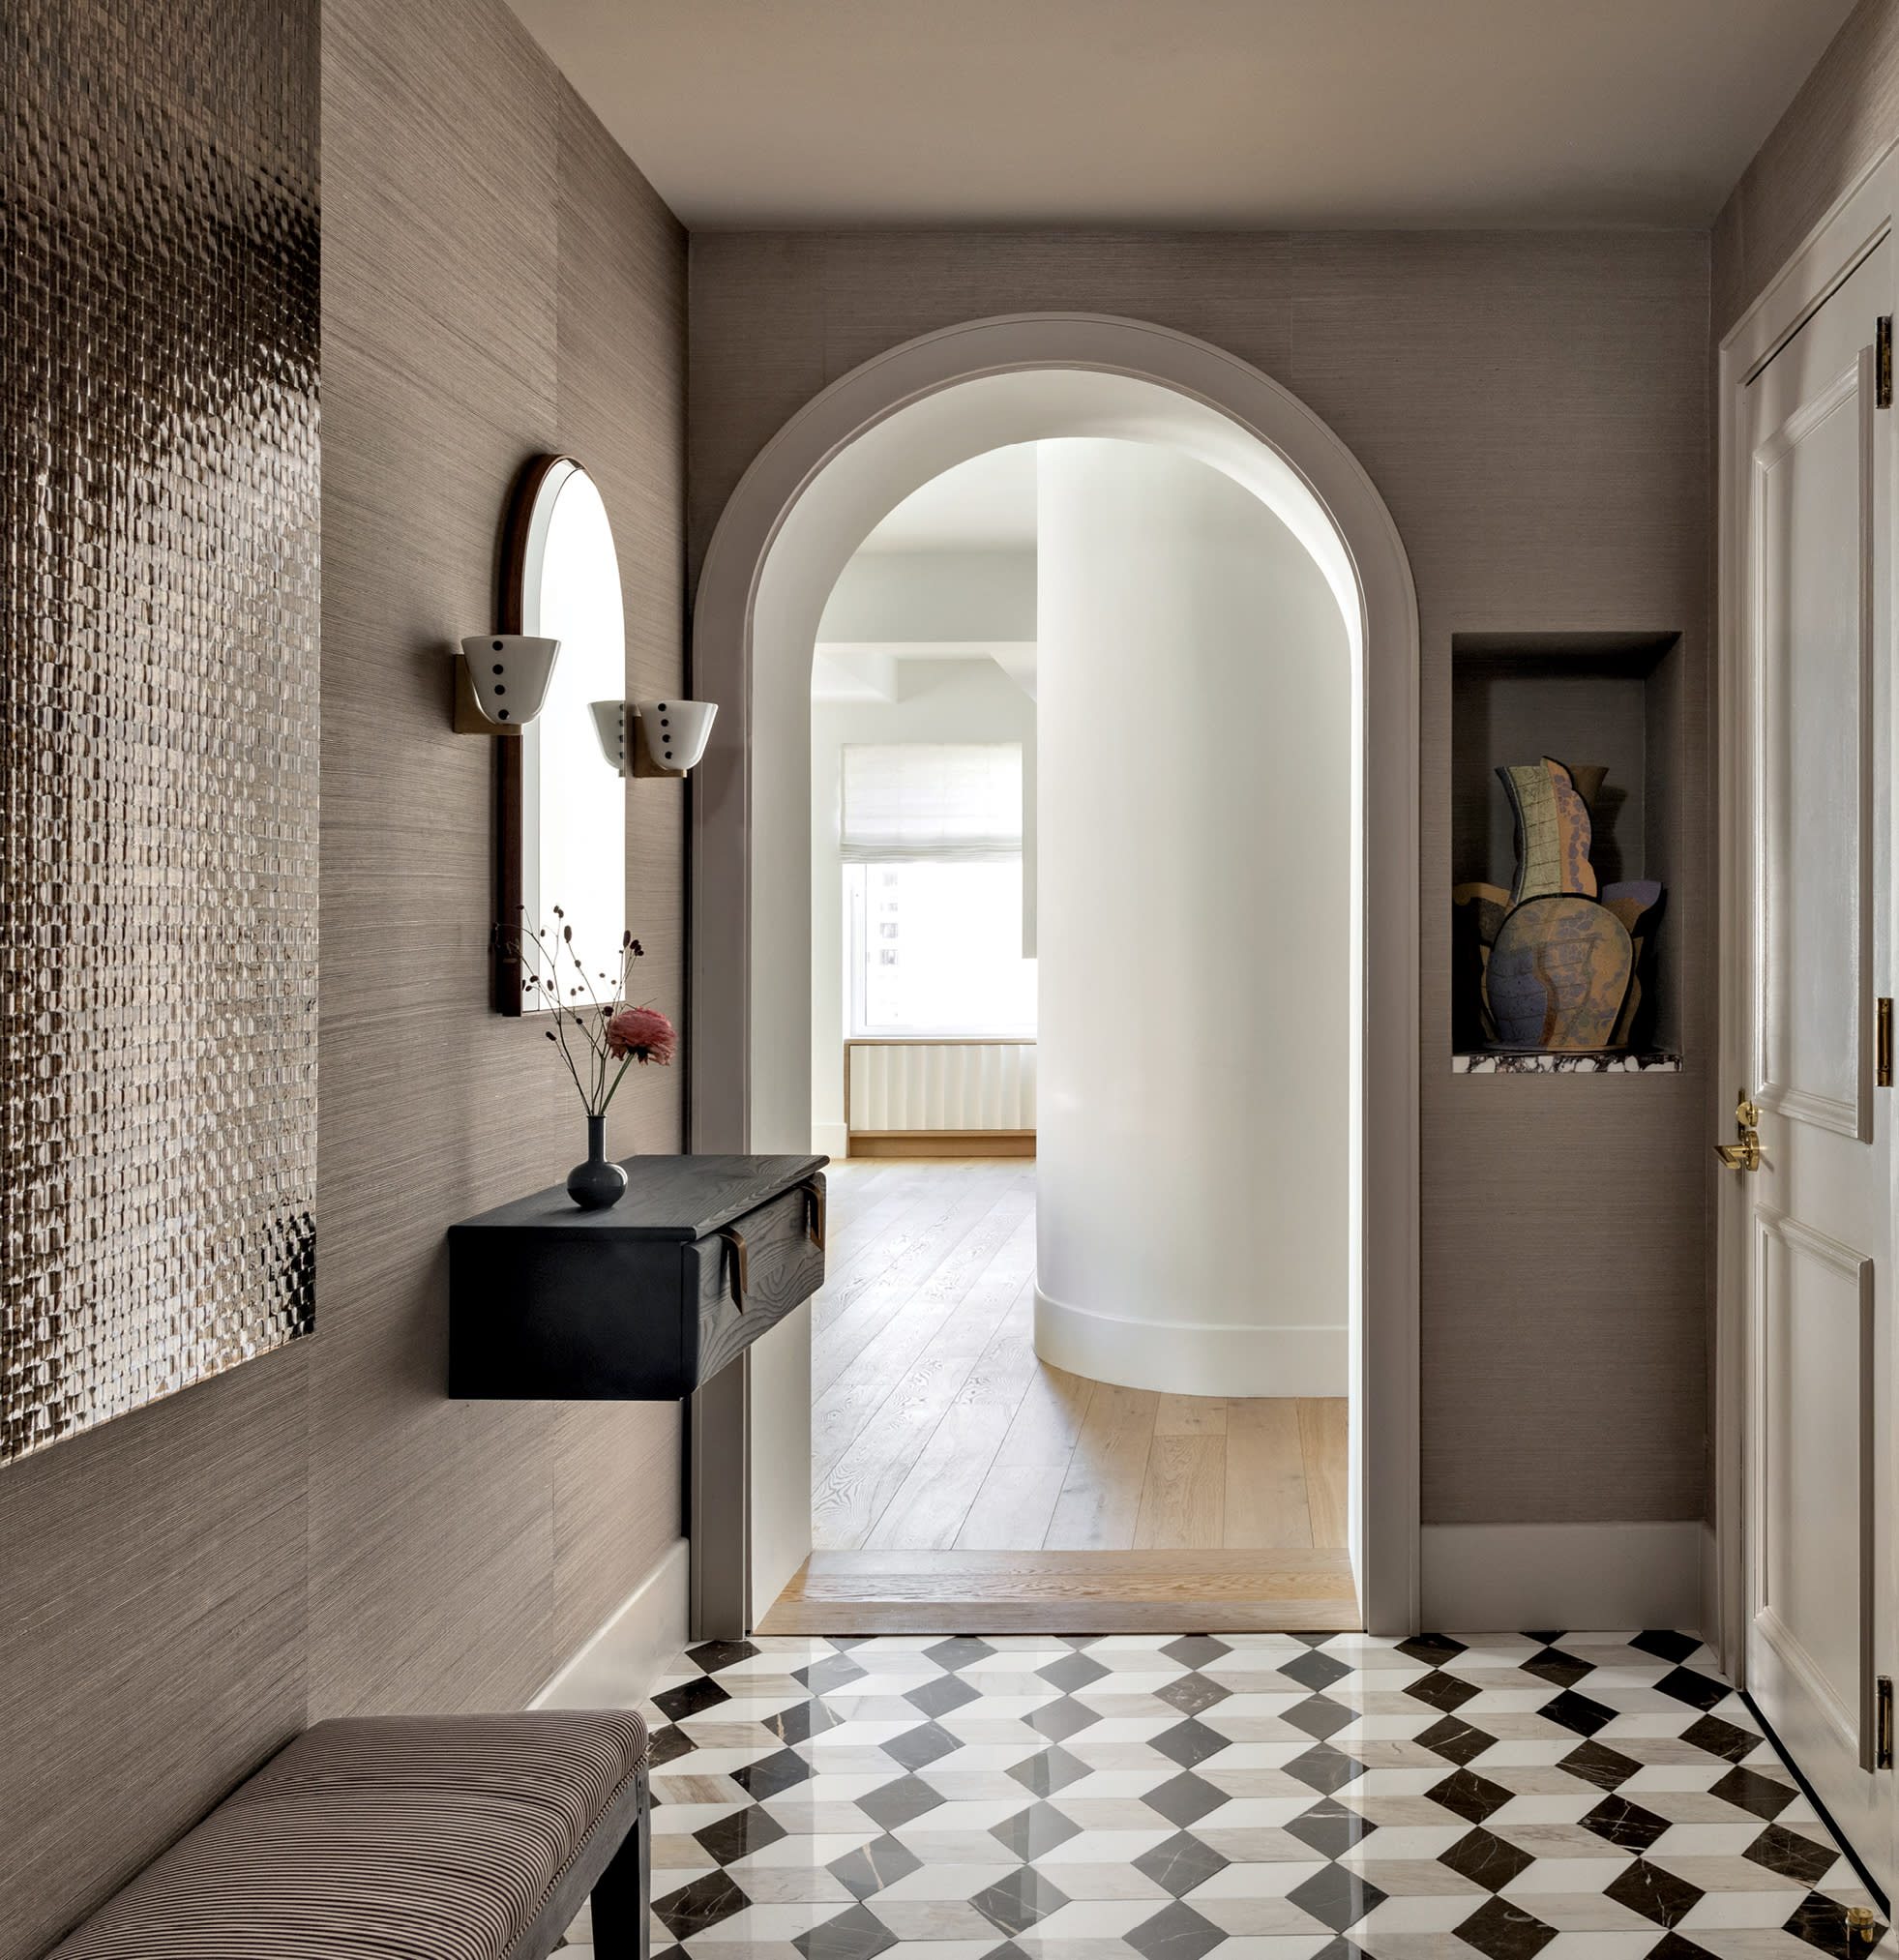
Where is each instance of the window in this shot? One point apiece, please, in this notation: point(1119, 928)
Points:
point(931, 843)
point(936, 948)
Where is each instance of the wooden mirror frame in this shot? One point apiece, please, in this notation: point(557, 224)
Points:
point(508, 976)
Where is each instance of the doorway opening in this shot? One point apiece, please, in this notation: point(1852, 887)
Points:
point(965, 1412)
point(848, 461)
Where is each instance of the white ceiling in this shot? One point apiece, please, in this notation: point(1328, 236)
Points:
point(986, 504)
point(1188, 112)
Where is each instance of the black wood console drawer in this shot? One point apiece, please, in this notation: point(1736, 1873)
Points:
point(640, 1303)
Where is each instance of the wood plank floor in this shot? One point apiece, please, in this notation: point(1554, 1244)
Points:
point(1299, 1590)
point(940, 1440)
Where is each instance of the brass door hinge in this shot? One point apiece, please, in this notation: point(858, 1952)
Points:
point(1883, 1043)
point(1882, 359)
point(1882, 1724)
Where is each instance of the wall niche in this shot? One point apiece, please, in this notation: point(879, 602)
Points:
point(1611, 699)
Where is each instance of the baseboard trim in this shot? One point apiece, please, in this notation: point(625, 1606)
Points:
point(1710, 1625)
point(620, 1662)
point(940, 1144)
point(1191, 1360)
point(1600, 1577)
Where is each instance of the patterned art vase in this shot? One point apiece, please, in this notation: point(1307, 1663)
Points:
point(1559, 974)
point(596, 1184)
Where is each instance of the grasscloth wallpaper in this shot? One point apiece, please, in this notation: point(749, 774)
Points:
point(322, 1531)
point(1847, 112)
point(1533, 409)
point(159, 671)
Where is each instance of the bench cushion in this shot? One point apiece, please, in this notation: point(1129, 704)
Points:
point(381, 1837)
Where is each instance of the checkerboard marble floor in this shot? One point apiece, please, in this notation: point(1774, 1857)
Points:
point(1251, 1797)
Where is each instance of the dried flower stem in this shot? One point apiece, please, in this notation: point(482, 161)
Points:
point(580, 1015)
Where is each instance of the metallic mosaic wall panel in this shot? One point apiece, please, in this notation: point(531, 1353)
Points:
point(159, 330)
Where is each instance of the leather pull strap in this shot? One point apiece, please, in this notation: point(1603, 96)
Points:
point(814, 1190)
point(736, 1266)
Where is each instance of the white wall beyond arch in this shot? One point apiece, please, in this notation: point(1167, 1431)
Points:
point(807, 502)
point(1197, 844)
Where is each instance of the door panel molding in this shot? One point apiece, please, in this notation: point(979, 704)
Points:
point(1799, 1103)
point(1853, 1722)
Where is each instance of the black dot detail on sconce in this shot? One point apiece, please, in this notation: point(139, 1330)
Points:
point(497, 648)
point(498, 668)
point(501, 690)
point(504, 714)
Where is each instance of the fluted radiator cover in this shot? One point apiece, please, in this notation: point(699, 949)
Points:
point(940, 1086)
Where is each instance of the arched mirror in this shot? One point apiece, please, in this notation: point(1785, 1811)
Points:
point(563, 808)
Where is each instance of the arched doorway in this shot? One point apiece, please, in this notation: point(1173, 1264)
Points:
point(835, 469)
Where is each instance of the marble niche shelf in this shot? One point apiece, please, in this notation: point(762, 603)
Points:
point(1653, 1061)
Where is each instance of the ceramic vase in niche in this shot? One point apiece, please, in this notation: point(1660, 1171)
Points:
point(1557, 962)
point(597, 1183)
point(1559, 973)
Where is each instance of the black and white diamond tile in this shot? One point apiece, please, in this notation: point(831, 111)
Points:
point(1547, 1796)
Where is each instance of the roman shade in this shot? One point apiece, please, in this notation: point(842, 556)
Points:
point(954, 800)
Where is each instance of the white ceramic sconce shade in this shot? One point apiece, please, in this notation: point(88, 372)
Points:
point(609, 721)
point(509, 674)
point(676, 731)
point(672, 739)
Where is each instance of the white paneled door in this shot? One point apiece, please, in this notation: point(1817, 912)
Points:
point(1810, 1225)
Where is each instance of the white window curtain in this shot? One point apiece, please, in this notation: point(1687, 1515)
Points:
point(943, 800)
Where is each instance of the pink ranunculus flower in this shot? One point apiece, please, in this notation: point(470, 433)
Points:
point(643, 1032)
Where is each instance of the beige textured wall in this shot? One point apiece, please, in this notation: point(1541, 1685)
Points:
point(323, 1531)
point(498, 280)
point(1846, 113)
point(1533, 409)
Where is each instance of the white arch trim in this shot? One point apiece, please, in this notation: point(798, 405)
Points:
point(808, 499)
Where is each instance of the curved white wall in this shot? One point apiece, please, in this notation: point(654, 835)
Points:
point(1195, 819)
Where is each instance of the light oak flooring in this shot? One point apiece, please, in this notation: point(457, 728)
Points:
point(939, 1442)
point(1297, 1590)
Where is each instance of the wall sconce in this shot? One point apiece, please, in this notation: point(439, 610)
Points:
point(670, 738)
point(501, 682)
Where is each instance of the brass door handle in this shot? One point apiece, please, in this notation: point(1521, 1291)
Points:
point(736, 1266)
point(1744, 1154)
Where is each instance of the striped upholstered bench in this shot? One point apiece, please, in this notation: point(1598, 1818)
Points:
point(474, 1838)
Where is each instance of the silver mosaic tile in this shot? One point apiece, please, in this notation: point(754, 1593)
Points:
point(158, 533)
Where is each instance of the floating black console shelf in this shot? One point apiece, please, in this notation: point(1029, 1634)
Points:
point(643, 1302)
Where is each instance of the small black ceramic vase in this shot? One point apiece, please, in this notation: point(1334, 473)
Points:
point(596, 1184)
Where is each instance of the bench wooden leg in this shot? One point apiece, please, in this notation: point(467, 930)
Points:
point(624, 1892)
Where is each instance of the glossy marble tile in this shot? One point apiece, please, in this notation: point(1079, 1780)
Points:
point(1246, 1796)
